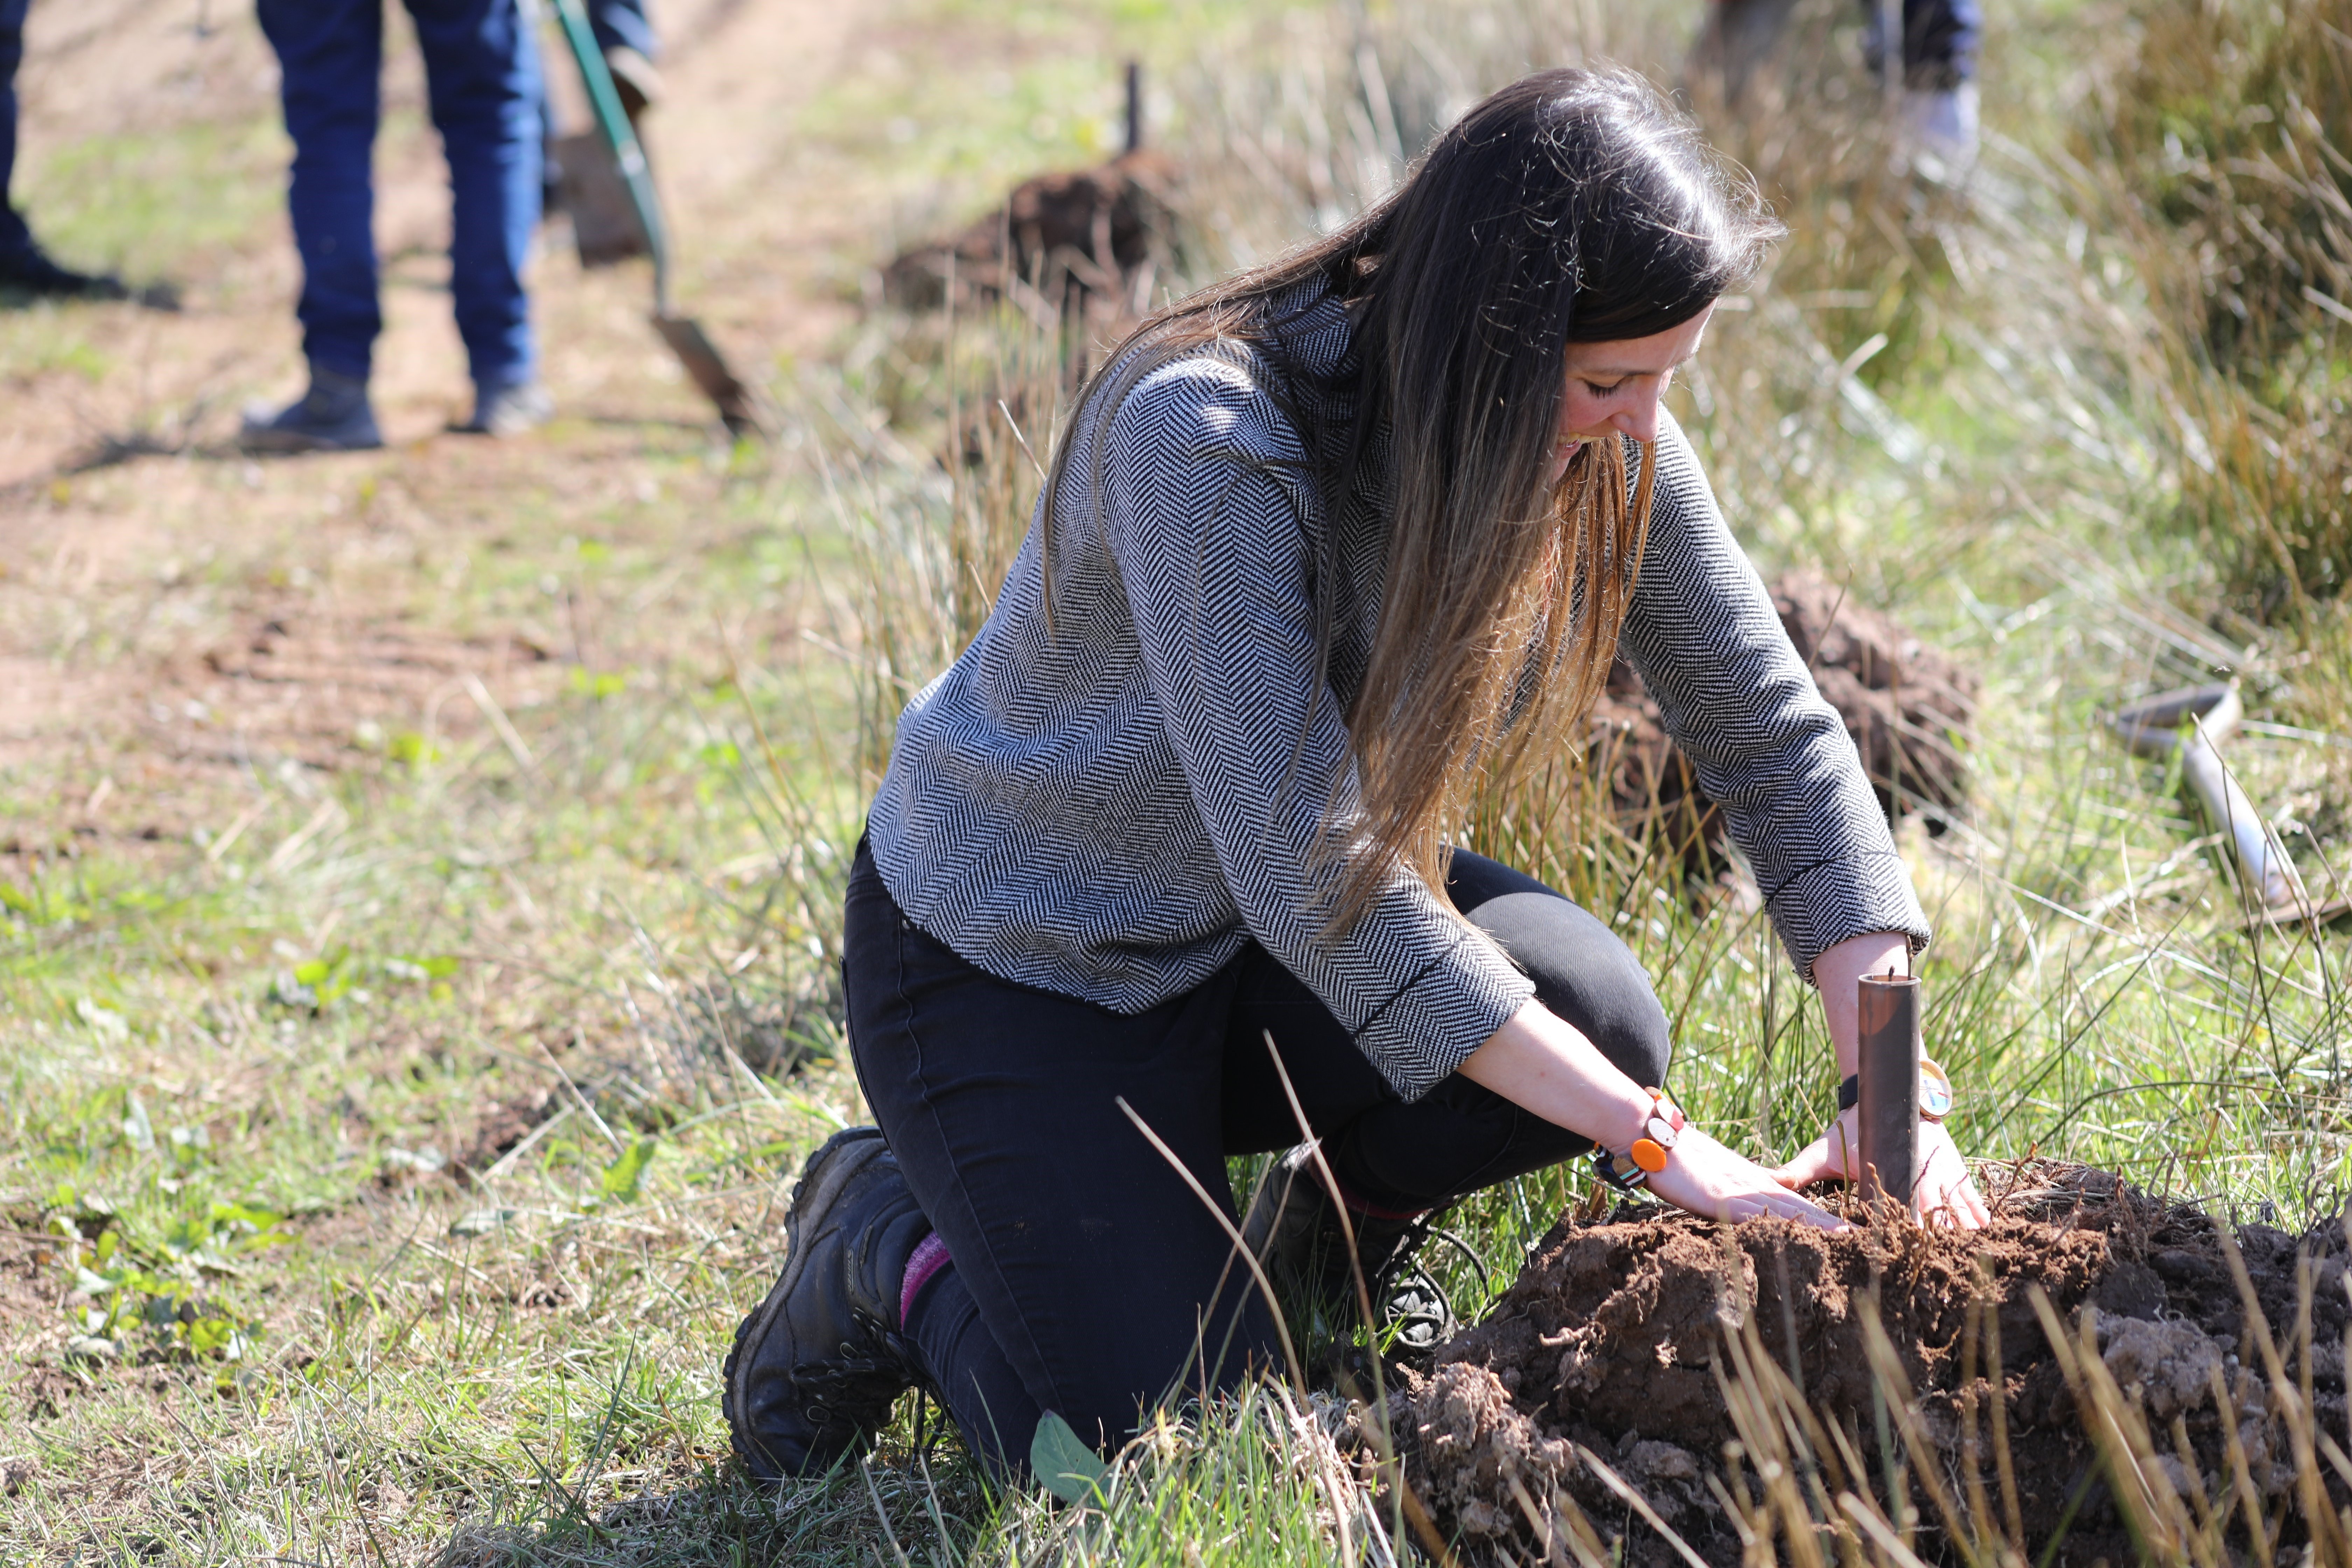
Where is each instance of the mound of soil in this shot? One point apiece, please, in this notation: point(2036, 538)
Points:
point(1067, 237)
point(1909, 708)
point(1615, 1337)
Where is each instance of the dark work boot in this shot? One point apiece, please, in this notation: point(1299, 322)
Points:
point(28, 267)
point(1293, 1227)
point(332, 416)
point(815, 1369)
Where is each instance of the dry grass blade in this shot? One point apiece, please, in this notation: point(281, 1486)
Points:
point(1639, 1504)
point(2294, 1411)
point(1928, 1463)
point(1882, 1534)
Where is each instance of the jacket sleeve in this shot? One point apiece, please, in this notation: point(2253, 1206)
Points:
point(1209, 510)
point(1703, 635)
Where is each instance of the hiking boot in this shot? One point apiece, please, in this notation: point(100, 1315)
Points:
point(332, 416)
point(815, 1369)
point(509, 409)
point(1293, 1227)
point(29, 268)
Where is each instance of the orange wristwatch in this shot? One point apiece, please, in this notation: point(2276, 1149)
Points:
point(1647, 1157)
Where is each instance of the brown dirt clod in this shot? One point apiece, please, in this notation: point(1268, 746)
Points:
point(1909, 708)
point(1059, 239)
point(1617, 1338)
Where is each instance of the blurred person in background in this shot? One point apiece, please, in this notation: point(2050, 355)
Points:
point(483, 88)
point(23, 265)
point(626, 33)
point(1940, 44)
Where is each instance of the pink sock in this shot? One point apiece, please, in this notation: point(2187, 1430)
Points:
point(930, 1256)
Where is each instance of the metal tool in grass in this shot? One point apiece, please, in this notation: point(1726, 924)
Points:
point(2189, 725)
point(738, 404)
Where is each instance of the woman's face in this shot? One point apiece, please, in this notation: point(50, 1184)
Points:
point(1613, 387)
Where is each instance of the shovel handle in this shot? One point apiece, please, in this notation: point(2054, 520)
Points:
point(604, 103)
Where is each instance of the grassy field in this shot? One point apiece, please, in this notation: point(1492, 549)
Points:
point(399, 1091)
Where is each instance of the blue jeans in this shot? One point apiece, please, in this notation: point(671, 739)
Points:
point(14, 235)
point(622, 24)
point(482, 79)
point(1940, 38)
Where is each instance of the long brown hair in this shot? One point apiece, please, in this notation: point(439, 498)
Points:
point(1571, 207)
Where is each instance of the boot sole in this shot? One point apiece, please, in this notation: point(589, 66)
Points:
point(843, 1157)
point(284, 444)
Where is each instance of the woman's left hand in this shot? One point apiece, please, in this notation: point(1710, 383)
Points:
point(1942, 1190)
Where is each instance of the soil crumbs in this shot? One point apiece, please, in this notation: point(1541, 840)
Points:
point(1617, 1338)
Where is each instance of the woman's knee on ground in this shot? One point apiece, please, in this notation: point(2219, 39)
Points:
point(1585, 974)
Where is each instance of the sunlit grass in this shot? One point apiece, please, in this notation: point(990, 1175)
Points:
point(259, 1067)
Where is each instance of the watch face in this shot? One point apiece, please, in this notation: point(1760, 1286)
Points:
point(1934, 1091)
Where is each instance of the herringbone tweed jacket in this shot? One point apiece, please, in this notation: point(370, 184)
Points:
point(1111, 806)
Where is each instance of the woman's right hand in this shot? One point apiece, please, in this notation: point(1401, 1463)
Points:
point(1708, 1179)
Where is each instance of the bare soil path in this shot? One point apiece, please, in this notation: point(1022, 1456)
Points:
point(168, 608)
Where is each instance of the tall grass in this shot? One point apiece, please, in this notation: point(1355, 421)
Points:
point(2228, 128)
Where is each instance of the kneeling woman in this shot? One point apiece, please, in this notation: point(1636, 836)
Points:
point(1324, 546)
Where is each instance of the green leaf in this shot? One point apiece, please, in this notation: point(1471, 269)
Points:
point(209, 1335)
point(1063, 1465)
point(622, 1175)
point(243, 1216)
point(185, 1236)
point(312, 973)
point(412, 749)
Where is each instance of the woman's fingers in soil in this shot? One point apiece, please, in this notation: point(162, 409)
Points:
point(1707, 1178)
point(1816, 1161)
point(1946, 1194)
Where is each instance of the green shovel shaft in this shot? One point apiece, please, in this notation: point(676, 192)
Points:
point(604, 103)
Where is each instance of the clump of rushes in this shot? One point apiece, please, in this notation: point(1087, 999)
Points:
point(2230, 136)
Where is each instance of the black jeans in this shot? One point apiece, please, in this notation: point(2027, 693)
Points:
point(1088, 1280)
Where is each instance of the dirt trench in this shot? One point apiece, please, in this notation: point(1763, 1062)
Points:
point(1618, 1339)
